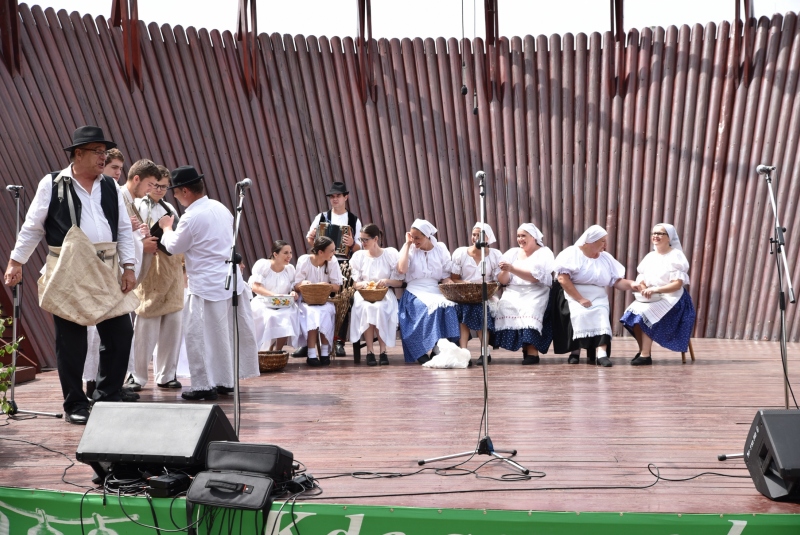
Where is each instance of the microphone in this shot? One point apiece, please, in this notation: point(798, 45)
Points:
point(246, 183)
point(764, 169)
point(12, 187)
point(480, 175)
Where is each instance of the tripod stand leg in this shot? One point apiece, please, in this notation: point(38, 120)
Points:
point(509, 461)
point(445, 457)
point(510, 452)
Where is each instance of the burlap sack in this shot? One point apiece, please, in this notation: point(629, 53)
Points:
point(79, 286)
point(161, 290)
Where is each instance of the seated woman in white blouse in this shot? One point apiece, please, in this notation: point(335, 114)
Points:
point(527, 272)
point(425, 315)
point(270, 277)
point(663, 311)
point(584, 271)
point(374, 264)
point(318, 320)
point(467, 268)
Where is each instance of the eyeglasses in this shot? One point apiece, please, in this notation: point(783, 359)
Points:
point(363, 239)
point(97, 152)
point(659, 234)
point(160, 187)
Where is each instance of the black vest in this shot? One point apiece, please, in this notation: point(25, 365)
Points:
point(58, 221)
point(351, 219)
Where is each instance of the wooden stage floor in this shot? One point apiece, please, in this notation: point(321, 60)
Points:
point(583, 426)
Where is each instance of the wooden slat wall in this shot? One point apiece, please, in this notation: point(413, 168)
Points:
point(563, 143)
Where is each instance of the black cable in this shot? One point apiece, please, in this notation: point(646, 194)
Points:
point(651, 466)
point(64, 473)
point(153, 511)
point(783, 312)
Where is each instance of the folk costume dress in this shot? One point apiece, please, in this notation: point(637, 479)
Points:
point(582, 327)
point(272, 323)
point(668, 321)
point(317, 317)
point(382, 314)
point(471, 314)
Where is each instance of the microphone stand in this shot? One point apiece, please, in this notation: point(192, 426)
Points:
point(485, 446)
point(778, 242)
point(16, 291)
point(234, 261)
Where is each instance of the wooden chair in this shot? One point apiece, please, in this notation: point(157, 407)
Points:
point(691, 353)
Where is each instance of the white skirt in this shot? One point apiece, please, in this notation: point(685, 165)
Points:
point(382, 315)
point(592, 321)
point(273, 323)
point(522, 307)
point(316, 317)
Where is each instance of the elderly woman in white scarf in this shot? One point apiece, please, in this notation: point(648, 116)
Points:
point(584, 271)
point(663, 311)
point(425, 315)
point(527, 272)
point(467, 268)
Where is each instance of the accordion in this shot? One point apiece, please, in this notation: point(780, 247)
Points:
point(336, 233)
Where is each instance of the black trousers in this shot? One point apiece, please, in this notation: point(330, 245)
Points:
point(116, 335)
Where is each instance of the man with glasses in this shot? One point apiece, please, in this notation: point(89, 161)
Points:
point(95, 204)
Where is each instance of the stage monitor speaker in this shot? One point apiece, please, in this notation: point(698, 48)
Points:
point(148, 437)
point(772, 454)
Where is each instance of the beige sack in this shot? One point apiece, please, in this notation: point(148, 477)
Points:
point(161, 291)
point(79, 286)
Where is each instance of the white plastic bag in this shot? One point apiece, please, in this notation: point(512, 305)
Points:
point(450, 356)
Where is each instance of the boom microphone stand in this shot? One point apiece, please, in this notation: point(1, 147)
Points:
point(779, 243)
point(233, 274)
point(16, 291)
point(485, 446)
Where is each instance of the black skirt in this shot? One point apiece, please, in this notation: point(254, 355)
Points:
point(562, 328)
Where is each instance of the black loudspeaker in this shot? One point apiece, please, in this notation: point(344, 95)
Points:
point(148, 437)
point(772, 454)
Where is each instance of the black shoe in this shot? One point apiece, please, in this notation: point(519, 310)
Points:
point(530, 359)
point(384, 359)
point(469, 363)
point(371, 359)
point(128, 395)
point(642, 361)
point(325, 360)
point(574, 358)
point(224, 390)
point(435, 350)
point(314, 363)
point(78, 416)
point(300, 353)
point(131, 384)
point(635, 357)
point(209, 394)
point(423, 359)
point(90, 386)
point(605, 362)
point(170, 384)
point(339, 348)
point(480, 360)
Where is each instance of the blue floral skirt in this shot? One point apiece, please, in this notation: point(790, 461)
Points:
point(419, 330)
point(670, 332)
point(471, 315)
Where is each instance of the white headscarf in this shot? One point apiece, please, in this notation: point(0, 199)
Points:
point(531, 229)
point(424, 226)
point(674, 240)
point(490, 239)
point(592, 234)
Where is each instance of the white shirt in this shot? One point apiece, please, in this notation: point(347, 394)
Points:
point(364, 268)
point(204, 236)
point(434, 264)
point(152, 213)
point(601, 271)
point(93, 221)
point(306, 271)
point(539, 264)
point(277, 282)
point(470, 270)
point(661, 269)
point(338, 219)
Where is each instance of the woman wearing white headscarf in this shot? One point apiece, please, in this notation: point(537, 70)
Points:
point(527, 272)
point(467, 268)
point(662, 311)
point(425, 315)
point(584, 272)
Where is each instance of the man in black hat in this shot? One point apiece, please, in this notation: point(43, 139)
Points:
point(337, 215)
point(203, 235)
point(100, 213)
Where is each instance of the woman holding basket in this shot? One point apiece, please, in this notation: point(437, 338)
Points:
point(373, 268)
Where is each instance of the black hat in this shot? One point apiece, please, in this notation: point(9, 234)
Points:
point(89, 134)
point(183, 176)
point(338, 187)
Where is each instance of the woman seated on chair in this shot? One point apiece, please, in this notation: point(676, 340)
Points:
point(584, 271)
point(467, 268)
point(372, 267)
point(318, 320)
point(662, 311)
point(520, 320)
point(425, 315)
point(274, 277)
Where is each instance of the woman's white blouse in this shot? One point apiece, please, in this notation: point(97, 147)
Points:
point(470, 270)
point(434, 264)
point(601, 271)
point(659, 270)
point(364, 268)
point(306, 271)
point(280, 283)
point(539, 265)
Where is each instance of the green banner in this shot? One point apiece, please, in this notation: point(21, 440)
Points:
point(24, 511)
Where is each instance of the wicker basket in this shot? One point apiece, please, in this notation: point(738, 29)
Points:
point(373, 295)
point(467, 293)
point(315, 294)
point(271, 361)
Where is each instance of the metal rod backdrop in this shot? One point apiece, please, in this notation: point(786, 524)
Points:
point(579, 130)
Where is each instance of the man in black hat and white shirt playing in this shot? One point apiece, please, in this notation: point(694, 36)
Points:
point(204, 235)
point(101, 215)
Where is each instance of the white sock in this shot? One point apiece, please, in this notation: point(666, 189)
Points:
point(312, 353)
point(601, 353)
point(325, 349)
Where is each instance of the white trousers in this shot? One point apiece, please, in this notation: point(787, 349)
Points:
point(164, 332)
